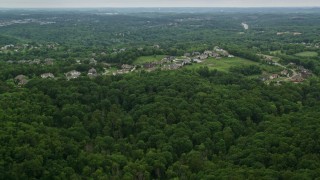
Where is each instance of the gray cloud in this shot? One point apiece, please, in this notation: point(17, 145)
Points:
point(156, 3)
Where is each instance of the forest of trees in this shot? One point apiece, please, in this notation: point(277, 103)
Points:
point(184, 124)
point(160, 125)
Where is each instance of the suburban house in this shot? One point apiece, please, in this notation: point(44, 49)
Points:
point(297, 78)
point(273, 76)
point(21, 80)
point(72, 74)
point(92, 73)
point(149, 65)
point(35, 61)
point(196, 61)
point(306, 73)
point(48, 61)
point(127, 66)
point(208, 53)
point(93, 61)
point(284, 72)
point(196, 54)
point(121, 71)
point(47, 75)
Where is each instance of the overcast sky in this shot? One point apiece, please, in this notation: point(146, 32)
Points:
point(155, 3)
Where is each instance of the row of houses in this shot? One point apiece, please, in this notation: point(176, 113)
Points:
point(47, 61)
point(22, 79)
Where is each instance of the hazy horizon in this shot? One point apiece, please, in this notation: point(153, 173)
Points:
point(154, 3)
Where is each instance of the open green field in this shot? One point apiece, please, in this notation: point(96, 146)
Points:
point(146, 59)
point(224, 64)
point(307, 54)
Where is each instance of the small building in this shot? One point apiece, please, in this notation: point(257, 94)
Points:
point(297, 78)
point(196, 53)
point(72, 74)
point(306, 74)
point(21, 80)
point(156, 46)
point(127, 66)
point(149, 65)
point(92, 73)
point(208, 53)
point(48, 61)
point(187, 54)
point(284, 72)
point(273, 76)
point(196, 61)
point(92, 61)
point(47, 75)
point(203, 57)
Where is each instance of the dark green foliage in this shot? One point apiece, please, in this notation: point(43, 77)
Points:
point(164, 125)
point(246, 70)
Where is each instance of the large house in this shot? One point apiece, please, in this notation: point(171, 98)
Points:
point(297, 78)
point(21, 80)
point(127, 66)
point(72, 74)
point(273, 76)
point(47, 75)
point(92, 73)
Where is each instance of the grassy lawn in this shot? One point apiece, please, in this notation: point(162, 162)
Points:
point(307, 54)
point(222, 64)
point(146, 59)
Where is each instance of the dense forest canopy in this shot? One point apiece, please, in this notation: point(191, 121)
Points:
point(95, 93)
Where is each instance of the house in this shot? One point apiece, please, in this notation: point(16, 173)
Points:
point(48, 61)
point(196, 61)
point(122, 50)
point(121, 71)
point(203, 57)
point(35, 61)
point(127, 66)
point(47, 75)
point(72, 74)
point(92, 73)
point(291, 64)
point(93, 61)
point(273, 76)
point(297, 78)
point(305, 73)
point(21, 80)
point(214, 54)
point(187, 54)
point(149, 65)
point(172, 66)
point(186, 61)
point(264, 77)
point(284, 72)
point(208, 53)
point(196, 53)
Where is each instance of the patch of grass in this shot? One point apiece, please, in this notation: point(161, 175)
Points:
point(146, 59)
point(222, 64)
point(307, 54)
